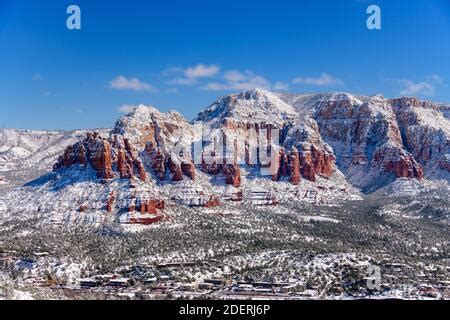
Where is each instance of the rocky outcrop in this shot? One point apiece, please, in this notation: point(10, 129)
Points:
point(309, 163)
point(212, 202)
point(281, 164)
point(122, 165)
point(158, 161)
point(323, 162)
point(371, 132)
point(412, 102)
point(294, 167)
point(365, 138)
point(307, 166)
point(212, 168)
point(81, 159)
point(232, 175)
point(141, 170)
point(101, 160)
point(110, 202)
point(398, 162)
point(425, 130)
point(188, 168)
point(83, 208)
point(93, 150)
point(150, 206)
point(175, 169)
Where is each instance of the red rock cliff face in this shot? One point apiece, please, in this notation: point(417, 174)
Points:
point(175, 170)
point(307, 166)
point(400, 163)
point(232, 175)
point(374, 132)
point(122, 165)
point(101, 160)
point(178, 168)
point(421, 124)
point(141, 170)
point(294, 167)
point(323, 162)
point(212, 202)
point(314, 161)
point(115, 157)
point(157, 159)
point(288, 165)
point(150, 206)
point(188, 168)
point(93, 150)
point(365, 134)
point(109, 158)
point(150, 137)
point(282, 163)
point(110, 202)
point(81, 159)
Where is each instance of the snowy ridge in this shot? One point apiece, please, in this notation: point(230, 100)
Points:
point(255, 105)
point(346, 144)
point(27, 154)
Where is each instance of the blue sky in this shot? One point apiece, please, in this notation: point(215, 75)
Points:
point(184, 54)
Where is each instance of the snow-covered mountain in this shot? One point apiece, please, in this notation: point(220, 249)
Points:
point(254, 105)
point(445, 108)
point(28, 154)
point(374, 136)
point(330, 147)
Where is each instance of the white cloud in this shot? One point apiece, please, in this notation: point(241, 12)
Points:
point(216, 86)
point(191, 75)
point(324, 80)
point(436, 79)
point(125, 108)
point(234, 76)
point(231, 79)
point(202, 71)
point(419, 88)
point(123, 83)
point(427, 87)
point(237, 80)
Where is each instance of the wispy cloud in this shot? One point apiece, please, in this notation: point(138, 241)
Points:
point(125, 108)
point(324, 79)
point(36, 77)
point(191, 75)
point(281, 86)
point(183, 81)
point(436, 79)
point(202, 71)
point(235, 76)
point(237, 80)
point(212, 78)
point(134, 84)
point(425, 88)
point(416, 88)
